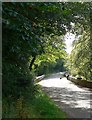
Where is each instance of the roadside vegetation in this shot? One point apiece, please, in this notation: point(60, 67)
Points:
point(33, 44)
point(79, 61)
point(41, 106)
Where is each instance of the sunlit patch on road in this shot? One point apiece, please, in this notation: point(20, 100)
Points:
point(62, 83)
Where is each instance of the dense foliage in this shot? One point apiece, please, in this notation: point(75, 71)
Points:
point(33, 41)
point(33, 32)
point(27, 32)
point(80, 62)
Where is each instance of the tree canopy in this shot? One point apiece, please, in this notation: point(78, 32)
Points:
point(33, 34)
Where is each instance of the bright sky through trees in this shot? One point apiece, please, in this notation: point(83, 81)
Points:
point(69, 38)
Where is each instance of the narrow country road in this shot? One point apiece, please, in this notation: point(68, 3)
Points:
point(74, 100)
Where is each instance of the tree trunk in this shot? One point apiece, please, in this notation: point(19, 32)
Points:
point(32, 62)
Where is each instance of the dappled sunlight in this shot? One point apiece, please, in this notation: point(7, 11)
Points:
point(68, 96)
point(74, 98)
point(83, 103)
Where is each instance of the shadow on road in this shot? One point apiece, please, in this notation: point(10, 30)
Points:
point(75, 103)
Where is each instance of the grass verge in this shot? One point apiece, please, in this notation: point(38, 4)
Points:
point(45, 107)
point(39, 107)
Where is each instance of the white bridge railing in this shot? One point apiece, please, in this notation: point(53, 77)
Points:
point(39, 78)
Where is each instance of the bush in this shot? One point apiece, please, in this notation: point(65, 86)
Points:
point(16, 81)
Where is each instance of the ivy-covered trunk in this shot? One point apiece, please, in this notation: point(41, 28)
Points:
point(32, 62)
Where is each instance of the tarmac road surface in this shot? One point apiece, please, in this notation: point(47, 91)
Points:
point(74, 100)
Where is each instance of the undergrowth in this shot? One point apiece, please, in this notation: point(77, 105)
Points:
point(41, 106)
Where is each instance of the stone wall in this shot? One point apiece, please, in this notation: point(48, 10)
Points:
point(81, 82)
